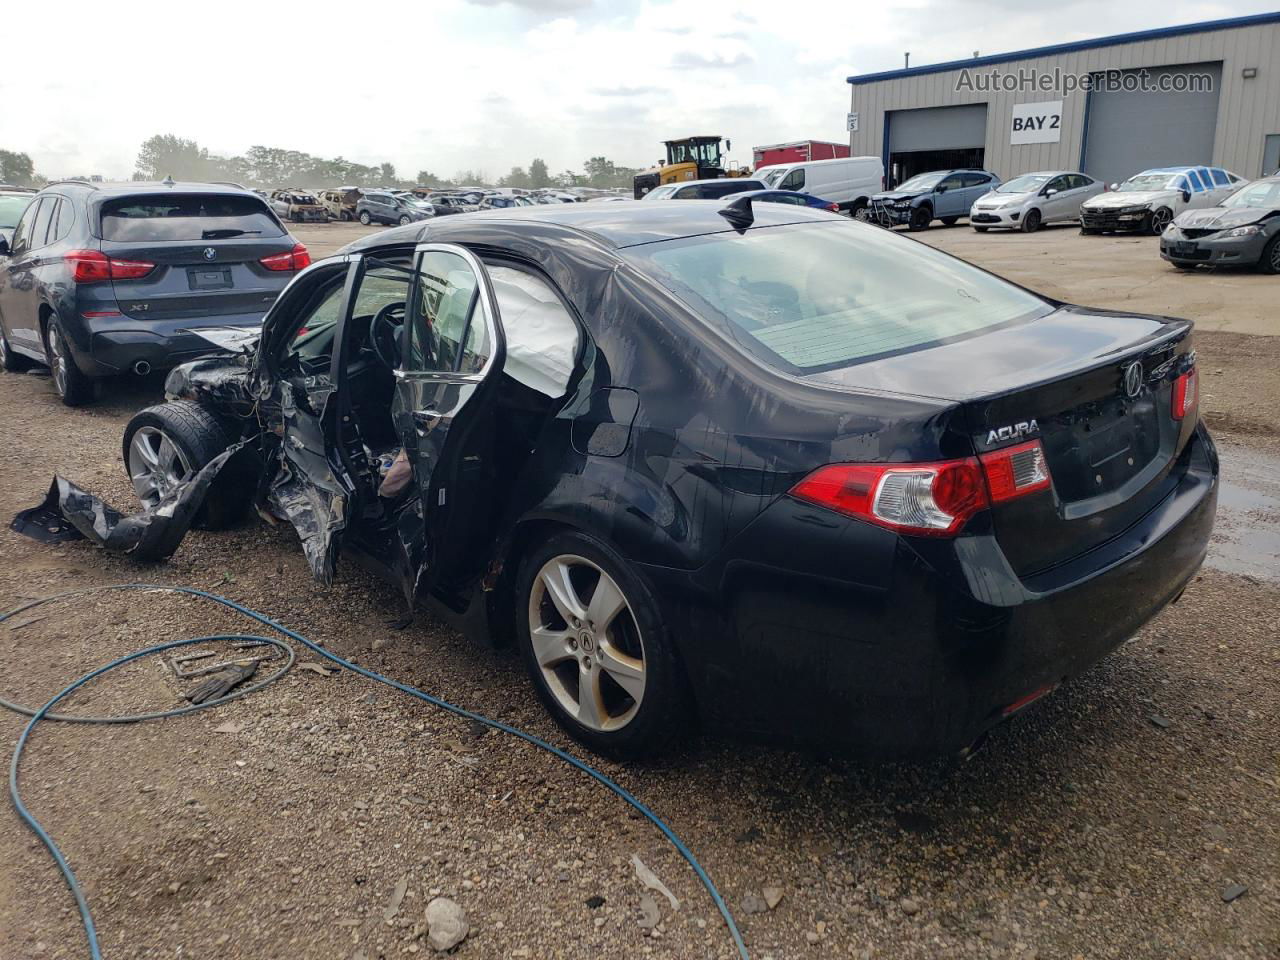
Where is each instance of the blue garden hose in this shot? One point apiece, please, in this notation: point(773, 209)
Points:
point(44, 713)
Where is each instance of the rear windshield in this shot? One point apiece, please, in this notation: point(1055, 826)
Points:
point(812, 297)
point(191, 216)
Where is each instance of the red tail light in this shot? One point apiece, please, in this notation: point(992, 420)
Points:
point(296, 259)
point(927, 499)
point(94, 266)
point(931, 499)
point(1186, 392)
point(1015, 471)
point(833, 207)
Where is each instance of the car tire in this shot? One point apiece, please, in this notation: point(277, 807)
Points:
point(194, 436)
point(1158, 220)
point(921, 217)
point(636, 642)
point(405, 221)
point(1031, 222)
point(950, 221)
point(1270, 260)
point(860, 210)
point(981, 229)
point(364, 217)
point(70, 383)
point(11, 362)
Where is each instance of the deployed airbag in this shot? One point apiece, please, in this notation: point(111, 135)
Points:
point(542, 337)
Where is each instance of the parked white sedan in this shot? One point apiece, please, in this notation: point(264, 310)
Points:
point(1149, 201)
point(1025, 202)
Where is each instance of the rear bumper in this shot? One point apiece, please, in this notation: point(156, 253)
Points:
point(823, 630)
point(106, 346)
point(1245, 250)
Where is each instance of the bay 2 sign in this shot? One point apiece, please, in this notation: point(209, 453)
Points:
point(1036, 122)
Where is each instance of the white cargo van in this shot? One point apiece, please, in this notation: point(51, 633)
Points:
point(848, 181)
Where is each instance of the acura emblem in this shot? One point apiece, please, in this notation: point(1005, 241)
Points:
point(210, 253)
point(1133, 379)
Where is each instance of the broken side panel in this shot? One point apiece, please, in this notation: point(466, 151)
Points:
point(306, 490)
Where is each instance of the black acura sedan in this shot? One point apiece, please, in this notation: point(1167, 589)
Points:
point(782, 472)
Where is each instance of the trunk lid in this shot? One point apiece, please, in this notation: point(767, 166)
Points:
point(1067, 379)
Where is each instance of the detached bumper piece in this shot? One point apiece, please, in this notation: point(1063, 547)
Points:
point(69, 513)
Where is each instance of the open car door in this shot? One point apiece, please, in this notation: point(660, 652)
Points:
point(453, 351)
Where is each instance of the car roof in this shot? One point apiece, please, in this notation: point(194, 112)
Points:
point(689, 183)
point(615, 225)
point(136, 188)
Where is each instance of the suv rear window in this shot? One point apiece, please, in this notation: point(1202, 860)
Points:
point(190, 216)
point(811, 297)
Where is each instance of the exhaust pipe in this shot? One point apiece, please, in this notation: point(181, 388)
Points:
point(142, 368)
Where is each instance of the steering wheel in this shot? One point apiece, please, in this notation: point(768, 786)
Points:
point(384, 334)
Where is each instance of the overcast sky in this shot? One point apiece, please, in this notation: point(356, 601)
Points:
point(487, 84)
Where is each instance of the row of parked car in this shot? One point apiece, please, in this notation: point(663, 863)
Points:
point(397, 206)
point(1203, 215)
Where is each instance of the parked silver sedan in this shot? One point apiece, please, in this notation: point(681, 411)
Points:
point(1025, 202)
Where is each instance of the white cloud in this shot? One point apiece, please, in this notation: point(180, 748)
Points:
point(488, 84)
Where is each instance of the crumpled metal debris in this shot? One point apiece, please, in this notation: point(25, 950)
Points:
point(70, 513)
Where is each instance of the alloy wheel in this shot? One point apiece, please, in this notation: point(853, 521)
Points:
point(586, 643)
point(4, 351)
point(1275, 256)
point(58, 360)
point(1159, 220)
point(156, 465)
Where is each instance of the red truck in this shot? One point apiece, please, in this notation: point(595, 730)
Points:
point(798, 152)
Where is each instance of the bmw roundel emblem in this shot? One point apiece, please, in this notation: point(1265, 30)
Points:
point(1133, 379)
point(210, 253)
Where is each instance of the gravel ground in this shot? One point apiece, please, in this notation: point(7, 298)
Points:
point(1107, 821)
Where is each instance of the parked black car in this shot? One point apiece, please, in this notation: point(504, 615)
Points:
point(376, 207)
point(693, 463)
point(1243, 231)
point(106, 279)
point(448, 203)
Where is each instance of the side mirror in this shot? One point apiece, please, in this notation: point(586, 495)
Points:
point(941, 188)
point(1186, 196)
point(4, 247)
point(1114, 186)
point(1049, 192)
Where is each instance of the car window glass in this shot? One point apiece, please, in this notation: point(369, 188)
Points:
point(41, 225)
point(1182, 183)
point(1196, 184)
point(52, 233)
point(795, 180)
point(951, 182)
point(182, 217)
point(1203, 173)
point(975, 179)
point(312, 342)
point(23, 230)
point(445, 304)
point(1059, 184)
point(1219, 177)
point(788, 295)
point(66, 217)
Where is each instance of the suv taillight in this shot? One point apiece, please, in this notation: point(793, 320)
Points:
point(94, 266)
point(927, 499)
point(295, 259)
point(1186, 392)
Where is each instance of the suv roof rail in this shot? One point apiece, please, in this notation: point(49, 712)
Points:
point(82, 183)
point(229, 183)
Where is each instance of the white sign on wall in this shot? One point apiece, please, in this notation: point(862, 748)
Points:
point(1036, 122)
point(852, 121)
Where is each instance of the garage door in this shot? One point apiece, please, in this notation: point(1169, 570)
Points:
point(938, 128)
point(1133, 130)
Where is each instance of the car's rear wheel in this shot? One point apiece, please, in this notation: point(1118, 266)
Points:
point(10, 361)
point(1159, 219)
point(168, 444)
point(404, 219)
point(1031, 222)
point(950, 221)
point(1270, 262)
point(364, 217)
point(73, 387)
point(921, 217)
point(599, 655)
point(860, 210)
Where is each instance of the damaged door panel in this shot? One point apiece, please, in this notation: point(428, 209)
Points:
point(454, 349)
